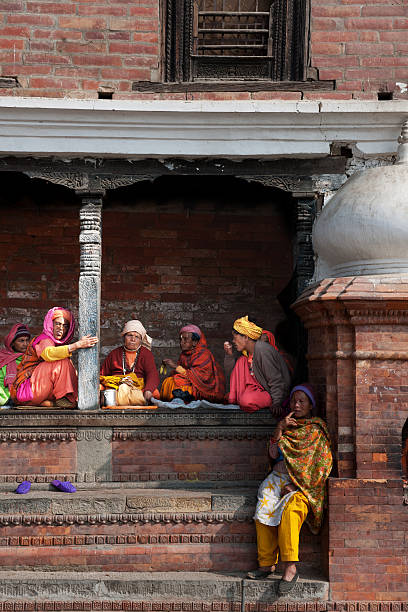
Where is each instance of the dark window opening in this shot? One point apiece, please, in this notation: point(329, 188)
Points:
point(385, 95)
point(235, 40)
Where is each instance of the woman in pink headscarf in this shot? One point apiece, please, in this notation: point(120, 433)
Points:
point(196, 374)
point(15, 344)
point(46, 375)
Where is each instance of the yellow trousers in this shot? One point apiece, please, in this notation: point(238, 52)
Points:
point(284, 538)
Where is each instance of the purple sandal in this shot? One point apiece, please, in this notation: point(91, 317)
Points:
point(23, 487)
point(64, 486)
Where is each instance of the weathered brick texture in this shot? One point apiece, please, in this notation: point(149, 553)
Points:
point(367, 540)
point(81, 47)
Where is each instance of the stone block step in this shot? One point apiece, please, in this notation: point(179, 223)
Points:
point(134, 529)
point(198, 592)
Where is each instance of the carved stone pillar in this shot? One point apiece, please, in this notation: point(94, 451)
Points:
point(90, 240)
point(305, 216)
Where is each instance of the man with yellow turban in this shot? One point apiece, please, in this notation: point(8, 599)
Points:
point(260, 378)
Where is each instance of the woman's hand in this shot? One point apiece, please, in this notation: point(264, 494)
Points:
point(288, 421)
point(228, 348)
point(148, 395)
point(288, 488)
point(85, 342)
point(170, 363)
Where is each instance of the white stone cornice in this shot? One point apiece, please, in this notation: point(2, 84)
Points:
point(160, 129)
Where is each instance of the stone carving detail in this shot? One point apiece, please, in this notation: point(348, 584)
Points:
point(72, 180)
point(159, 538)
point(113, 182)
point(149, 605)
point(90, 236)
point(41, 478)
point(182, 476)
point(286, 183)
point(44, 436)
point(305, 216)
point(144, 435)
point(105, 519)
point(189, 434)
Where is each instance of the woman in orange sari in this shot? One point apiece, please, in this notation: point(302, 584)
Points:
point(196, 374)
point(46, 375)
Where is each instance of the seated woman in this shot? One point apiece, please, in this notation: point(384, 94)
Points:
point(196, 374)
point(46, 375)
point(131, 368)
point(260, 377)
point(295, 489)
point(15, 344)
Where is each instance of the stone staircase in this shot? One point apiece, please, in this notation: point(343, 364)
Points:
point(161, 520)
point(139, 547)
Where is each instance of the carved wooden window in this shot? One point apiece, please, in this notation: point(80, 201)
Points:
point(211, 40)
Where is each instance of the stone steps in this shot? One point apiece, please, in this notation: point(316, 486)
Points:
point(134, 529)
point(189, 591)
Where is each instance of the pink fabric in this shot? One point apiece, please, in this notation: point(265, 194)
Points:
point(245, 390)
point(8, 356)
point(48, 328)
point(193, 329)
point(24, 392)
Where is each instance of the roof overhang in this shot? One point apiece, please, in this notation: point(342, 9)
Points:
point(69, 128)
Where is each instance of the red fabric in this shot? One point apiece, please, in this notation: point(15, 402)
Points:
point(203, 373)
point(271, 338)
point(272, 342)
point(145, 367)
point(8, 356)
point(245, 390)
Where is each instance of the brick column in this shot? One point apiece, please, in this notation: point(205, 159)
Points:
point(358, 358)
point(89, 299)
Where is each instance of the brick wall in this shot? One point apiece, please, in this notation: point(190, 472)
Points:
point(205, 252)
point(367, 540)
point(75, 48)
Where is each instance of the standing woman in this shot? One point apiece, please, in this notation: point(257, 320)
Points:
point(15, 344)
point(131, 368)
point(295, 490)
point(46, 375)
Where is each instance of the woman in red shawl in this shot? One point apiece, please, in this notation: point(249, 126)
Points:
point(196, 374)
point(15, 344)
point(46, 375)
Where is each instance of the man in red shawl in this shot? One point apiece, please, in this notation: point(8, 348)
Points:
point(196, 374)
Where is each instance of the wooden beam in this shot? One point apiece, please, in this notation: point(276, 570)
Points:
point(205, 86)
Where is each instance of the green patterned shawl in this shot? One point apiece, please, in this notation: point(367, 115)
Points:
point(308, 458)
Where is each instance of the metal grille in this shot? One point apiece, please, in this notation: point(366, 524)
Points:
point(232, 28)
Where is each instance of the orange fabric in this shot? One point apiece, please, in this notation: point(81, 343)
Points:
point(61, 312)
point(168, 386)
point(49, 380)
point(52, 380)
point(130, 357)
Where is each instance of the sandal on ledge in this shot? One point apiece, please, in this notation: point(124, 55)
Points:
point(65, 486)
point(286, 586)
point(259, 574)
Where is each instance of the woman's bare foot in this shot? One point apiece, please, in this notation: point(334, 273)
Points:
point(289, 571)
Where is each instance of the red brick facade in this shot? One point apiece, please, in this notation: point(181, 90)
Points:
point(75, 48)
point(359, 363)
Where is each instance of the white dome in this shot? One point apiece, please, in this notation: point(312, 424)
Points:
point(364, 228)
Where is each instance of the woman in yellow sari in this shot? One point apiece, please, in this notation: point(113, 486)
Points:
point(294, 491)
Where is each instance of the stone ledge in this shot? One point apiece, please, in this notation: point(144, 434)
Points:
point(131, 418)
point(170, 587)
